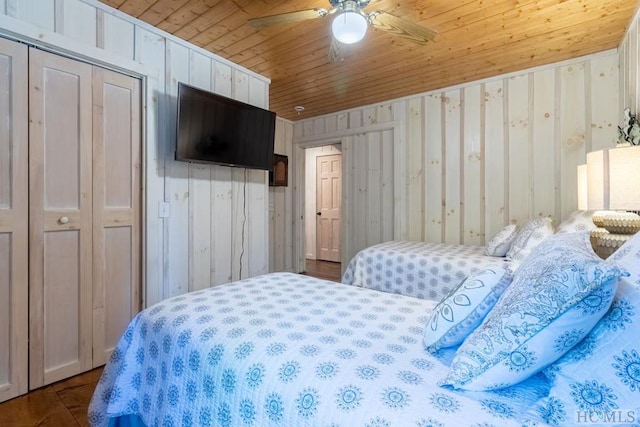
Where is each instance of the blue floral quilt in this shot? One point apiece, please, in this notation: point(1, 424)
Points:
point(291, 350)
point(416, 269)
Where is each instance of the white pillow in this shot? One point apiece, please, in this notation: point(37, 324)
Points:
point(576, 222)
point(462, 311)
point(530, 235)
point(500, 243)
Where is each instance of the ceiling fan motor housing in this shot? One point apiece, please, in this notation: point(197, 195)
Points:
point(349, 4)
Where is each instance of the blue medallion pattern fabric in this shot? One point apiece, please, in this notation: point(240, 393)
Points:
point(528, 237)
point(599, 379)
point(558, 294)
point(290, 350)
point(416, 269)
point(500, 243)
point(462, 311)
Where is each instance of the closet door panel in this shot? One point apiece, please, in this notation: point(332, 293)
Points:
point(60, 206)
point(116, 208)
point(13, 220)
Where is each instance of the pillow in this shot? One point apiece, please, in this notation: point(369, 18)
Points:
point(601, 375)
point(558, 294)
point(500, 243)
point(576, 222)
point(460, 312)
point(529, 236)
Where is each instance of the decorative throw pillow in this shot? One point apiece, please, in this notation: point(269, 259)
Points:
point(460, 312)
point(500, 243)
point(600, 377)
point(530, 235)
point(576, 222)
point(558, 294)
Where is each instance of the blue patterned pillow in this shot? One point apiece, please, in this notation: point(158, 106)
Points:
point(527, 238)
point(462, 311)
point(557, 295)
point(500, 243)
point(600, 377)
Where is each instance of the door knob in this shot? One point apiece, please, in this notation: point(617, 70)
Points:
point(64, 219)
point(318, 213)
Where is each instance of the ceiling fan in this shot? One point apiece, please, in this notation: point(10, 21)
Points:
point(351, 21)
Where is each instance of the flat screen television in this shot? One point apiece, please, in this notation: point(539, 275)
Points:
point(215, 129)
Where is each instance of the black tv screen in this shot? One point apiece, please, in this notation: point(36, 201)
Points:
point(215, 129)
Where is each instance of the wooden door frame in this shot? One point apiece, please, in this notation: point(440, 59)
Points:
point(300, 144)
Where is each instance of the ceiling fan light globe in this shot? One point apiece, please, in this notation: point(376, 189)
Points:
point(349, 27)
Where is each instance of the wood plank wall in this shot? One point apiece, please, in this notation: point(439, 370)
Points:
point(630, 68)
point(205, 240)
point(473, 158)
point(281, 205)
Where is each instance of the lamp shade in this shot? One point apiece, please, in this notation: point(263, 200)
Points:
point(613, 177)
point(624, 178)
point(598, 180)
point(349, 27)
point(583, 191)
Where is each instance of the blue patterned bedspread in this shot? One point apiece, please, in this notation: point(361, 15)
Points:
point(416, 269)
point(290, 350)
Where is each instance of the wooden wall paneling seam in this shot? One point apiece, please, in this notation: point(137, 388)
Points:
point(518, 111)
point(495, 183)
point(151, 52)
point(574, 80)
point(177, 178)
point(288, 209)
point(386, 183)
point(483, 164)
point(472, 184)
point(222, 199)
point(374, 178)
point(604, 111)
point(452, 166)
point(542, 161)
point(433, 196)
point(199, 184)
point(414, 191)
point(14, 222)
point(632, 68)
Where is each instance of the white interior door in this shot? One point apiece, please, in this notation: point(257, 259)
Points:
point(328, 206)
point(60, 192)
point(13, 220)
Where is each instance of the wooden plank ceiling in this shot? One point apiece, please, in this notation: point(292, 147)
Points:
point(477, 39)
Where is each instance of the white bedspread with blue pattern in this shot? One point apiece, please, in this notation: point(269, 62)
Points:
point(290, 350)
point(416, 269)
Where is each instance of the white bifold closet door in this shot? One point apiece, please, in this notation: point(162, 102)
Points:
point(14, 220)
point(84, 205)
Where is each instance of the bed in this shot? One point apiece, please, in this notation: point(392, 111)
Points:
point(291, 350)
point(417, 269)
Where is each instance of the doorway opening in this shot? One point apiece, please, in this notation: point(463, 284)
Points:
point(323, 200)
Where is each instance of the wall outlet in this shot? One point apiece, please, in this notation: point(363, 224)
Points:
point(164, 209)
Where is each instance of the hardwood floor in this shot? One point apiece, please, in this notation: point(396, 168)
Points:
point(62, 404)
point(65, 403)
point(324, 269)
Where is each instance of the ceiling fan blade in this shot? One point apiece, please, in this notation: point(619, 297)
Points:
point(402, 27)
point(335, 51)
point(285, 18)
